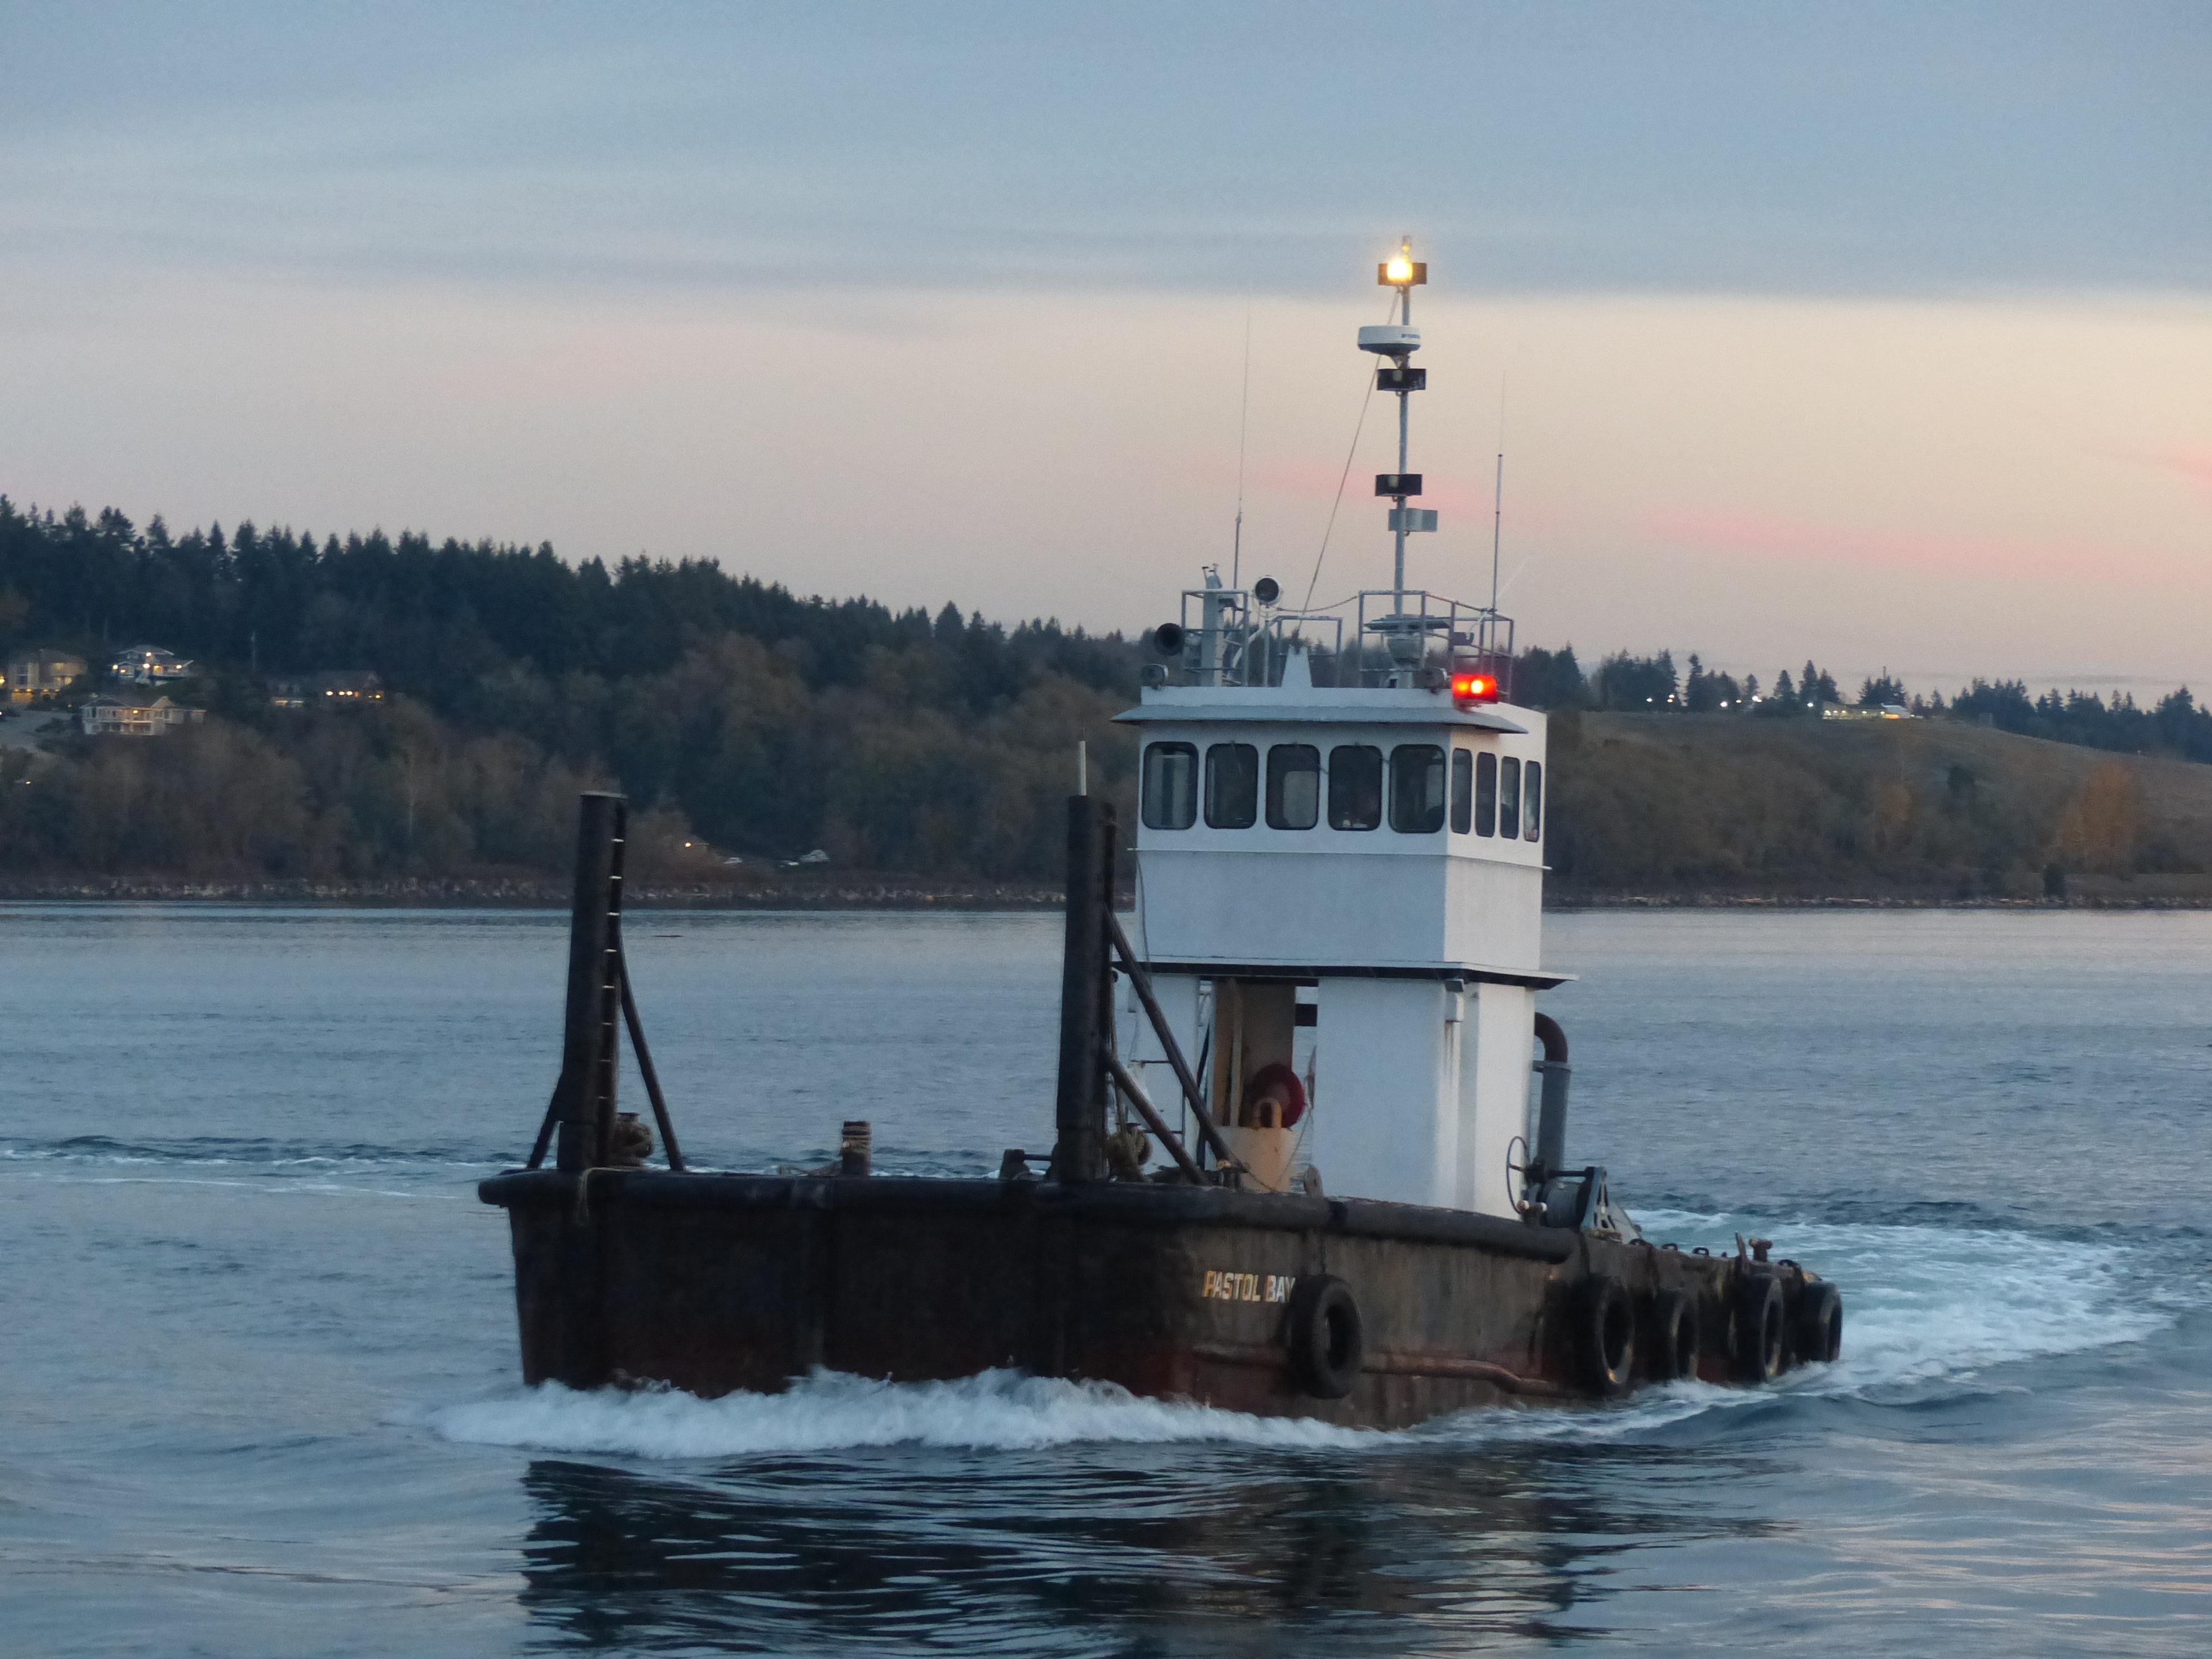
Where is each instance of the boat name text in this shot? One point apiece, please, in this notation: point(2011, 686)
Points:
point(1248, 1287)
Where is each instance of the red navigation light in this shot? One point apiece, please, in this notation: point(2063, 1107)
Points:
point(1470, 689)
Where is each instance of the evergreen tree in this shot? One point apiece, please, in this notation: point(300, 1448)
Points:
point(1549, 679)
point(1875, 692)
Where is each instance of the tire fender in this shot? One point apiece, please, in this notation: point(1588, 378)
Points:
point(1675, 1337)
point(1761, 1352)
point(1605, 1324)
point(1816, 1322)
point(1326, 1341)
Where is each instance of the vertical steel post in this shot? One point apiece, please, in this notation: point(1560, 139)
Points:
point(1085, 993)
point(590, 1045)
point(1398, 542)
point(1398, 537)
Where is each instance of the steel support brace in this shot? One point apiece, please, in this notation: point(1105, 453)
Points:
point(1141, 978)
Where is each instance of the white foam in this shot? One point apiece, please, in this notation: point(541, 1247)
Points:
point(999, 1409)
point(1922, 1302)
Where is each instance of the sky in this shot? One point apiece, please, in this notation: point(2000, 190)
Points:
point(1880, 334)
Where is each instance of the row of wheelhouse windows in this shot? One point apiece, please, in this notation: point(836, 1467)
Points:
point(1489, 794)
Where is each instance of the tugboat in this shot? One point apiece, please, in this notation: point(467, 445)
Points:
point(1358, 1214)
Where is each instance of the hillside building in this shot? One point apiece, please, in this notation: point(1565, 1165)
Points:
point(340, 688)
point(148, 665)
point(27, 675)
point(136, 714)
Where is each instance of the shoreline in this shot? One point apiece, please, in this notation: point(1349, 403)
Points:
point(907, 894)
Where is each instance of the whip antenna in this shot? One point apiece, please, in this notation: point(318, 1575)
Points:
point(1243, 426)
point(1497, 527)
point(1498, 498)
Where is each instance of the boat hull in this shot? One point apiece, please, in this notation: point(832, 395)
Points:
point(716, 1283)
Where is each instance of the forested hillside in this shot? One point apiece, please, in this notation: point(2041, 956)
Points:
point(761, 723)
point(744, 720)
point(1703, 806)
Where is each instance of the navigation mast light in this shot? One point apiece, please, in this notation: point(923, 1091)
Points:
point(1402, 269)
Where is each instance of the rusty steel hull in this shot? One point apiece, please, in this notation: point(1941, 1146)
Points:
point(714, 1282)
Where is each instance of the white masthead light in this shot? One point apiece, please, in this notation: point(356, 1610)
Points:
point(1402, 269)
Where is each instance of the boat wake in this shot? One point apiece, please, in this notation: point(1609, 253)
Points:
point(1929, 1310)
point(1931, 1302)
point(77, 1154)
point(999, 1409)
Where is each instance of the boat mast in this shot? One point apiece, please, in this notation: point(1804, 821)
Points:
point(1405, 393)
point(1405, 636)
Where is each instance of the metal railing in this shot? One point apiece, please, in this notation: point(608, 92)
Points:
point(1227, 637)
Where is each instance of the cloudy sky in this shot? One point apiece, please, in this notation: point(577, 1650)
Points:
point(1879, 333)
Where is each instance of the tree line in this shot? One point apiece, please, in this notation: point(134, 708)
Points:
point(740, 718)
point(2175, 724)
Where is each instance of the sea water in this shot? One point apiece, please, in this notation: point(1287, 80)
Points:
point(258, 1387)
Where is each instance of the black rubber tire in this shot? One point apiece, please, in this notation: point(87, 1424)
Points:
point(1606, 1325)
point(1673, 1337)
point(1816, 1323)
point(1328, 1344)
point(1761, 1326)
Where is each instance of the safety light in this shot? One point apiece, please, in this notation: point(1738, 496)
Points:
point(1402, 269)
point(1469, 689)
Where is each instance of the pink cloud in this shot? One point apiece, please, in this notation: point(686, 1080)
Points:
point(1800, 540)
point(2194, 465)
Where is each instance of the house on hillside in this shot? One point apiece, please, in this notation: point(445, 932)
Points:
point(148, 665)
point(29, 674)
point(136, 714)
point(346, 686)
point(1880, 711)
point(340, 688)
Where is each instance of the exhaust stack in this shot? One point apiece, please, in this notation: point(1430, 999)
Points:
point(1552, 1105)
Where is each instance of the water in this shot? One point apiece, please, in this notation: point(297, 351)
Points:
point(257, 1359)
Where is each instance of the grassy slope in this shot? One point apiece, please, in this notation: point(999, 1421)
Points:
point(1684, 805)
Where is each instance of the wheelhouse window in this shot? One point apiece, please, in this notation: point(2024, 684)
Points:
point(1170, 785)
point(1355, 787)
point(1486, 794)
point(1463, 801)
point(1233, 786)
point(1417, 789)
point(1293, 786)
point(1532, 791)
point(1508, 797)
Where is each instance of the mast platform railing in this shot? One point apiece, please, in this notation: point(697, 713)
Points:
point(1421, 630)
point(1233, 637)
